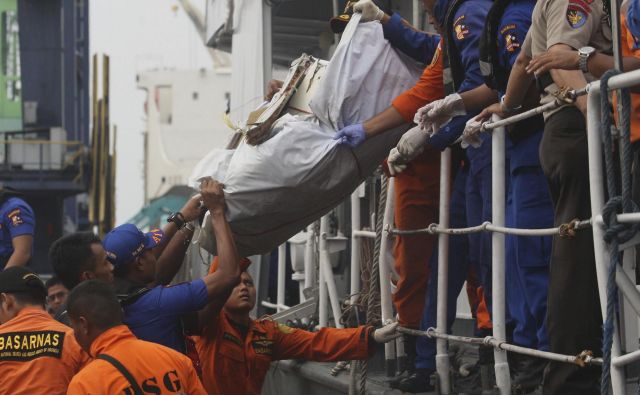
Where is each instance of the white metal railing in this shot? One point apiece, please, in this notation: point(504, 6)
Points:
point(328, 295)
point(626, 286)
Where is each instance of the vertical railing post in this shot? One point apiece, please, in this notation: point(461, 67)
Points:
point(309, 253)
point(498, 201)
point(385, 278)
point(596, 190)
point(322, 284)
point(282, 270)
point(327, 282)
point(442, 352)
point(356, 224)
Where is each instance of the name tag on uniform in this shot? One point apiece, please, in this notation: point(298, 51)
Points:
point(26, 346)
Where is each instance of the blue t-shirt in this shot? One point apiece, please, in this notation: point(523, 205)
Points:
point(156, 315)
point(16, 219)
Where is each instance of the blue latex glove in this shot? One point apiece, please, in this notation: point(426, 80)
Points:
point(352, 135)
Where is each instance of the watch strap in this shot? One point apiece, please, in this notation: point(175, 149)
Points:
point(178, 219)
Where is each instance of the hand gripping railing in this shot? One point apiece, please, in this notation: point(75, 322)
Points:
point(625, 285)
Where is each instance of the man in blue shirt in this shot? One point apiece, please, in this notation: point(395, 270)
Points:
point(17, 228)
point(153, 310)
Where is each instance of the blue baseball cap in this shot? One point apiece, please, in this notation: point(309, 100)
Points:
point(126, 242)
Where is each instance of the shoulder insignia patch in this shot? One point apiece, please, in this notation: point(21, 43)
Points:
point(15, 218)
point(511, 42)
point(578, 12)
point(285, 329)
point(460, 28)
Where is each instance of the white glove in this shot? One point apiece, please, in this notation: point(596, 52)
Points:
point(412, 143)
point(471, 134)
point(369, 10)
point(396, 162)
point(438, 113)
point(386, 333)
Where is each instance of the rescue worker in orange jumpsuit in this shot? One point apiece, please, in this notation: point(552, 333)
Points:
point(38, 355)
point(122, 364)
point(236, 351)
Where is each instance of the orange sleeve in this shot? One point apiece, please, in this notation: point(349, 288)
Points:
point(429, 87)
point(193, 384)
point(328, 344)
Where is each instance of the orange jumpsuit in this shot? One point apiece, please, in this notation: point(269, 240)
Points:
point(416, 202)
point(156, 368)
point(38, 355)
point(236, 364)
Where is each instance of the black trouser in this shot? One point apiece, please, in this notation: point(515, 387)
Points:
point(574, 318)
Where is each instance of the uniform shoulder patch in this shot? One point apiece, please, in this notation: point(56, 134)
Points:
point(284, 329)
point(14, 216)
point(26, 346)
point(578, 12)
point(460, 27)
point(511, 42)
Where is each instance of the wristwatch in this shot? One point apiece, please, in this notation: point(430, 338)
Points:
point(178, 219)
point(584, 54)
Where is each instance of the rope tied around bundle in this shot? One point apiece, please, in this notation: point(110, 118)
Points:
point(615, 233)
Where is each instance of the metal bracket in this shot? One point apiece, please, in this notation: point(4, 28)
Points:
point(303, 310)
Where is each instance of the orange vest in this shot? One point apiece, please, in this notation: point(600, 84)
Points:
point(38, 355)
point(233, 364)
point(429, 87)
point(156, 368)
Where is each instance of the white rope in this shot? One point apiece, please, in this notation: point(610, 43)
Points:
point(563, 230)
point(584, 358)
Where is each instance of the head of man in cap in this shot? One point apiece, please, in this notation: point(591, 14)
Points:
point(129, 250)
point(19, 288)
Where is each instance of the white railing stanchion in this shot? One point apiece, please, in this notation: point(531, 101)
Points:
point(596, 186)
point(442, 352)
point(282, 270)
point(356, 225)
point(498, 201)
point(322, 284)
point(327, 282)
point(386, 305)
point(309, 253)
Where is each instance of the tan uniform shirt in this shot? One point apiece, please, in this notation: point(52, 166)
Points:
point(576, 23)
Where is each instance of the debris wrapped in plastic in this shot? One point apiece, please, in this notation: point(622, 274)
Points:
point(299, 173)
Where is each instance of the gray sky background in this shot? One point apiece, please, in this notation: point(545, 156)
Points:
point(139, 35)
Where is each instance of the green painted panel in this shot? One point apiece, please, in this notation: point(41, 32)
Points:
point(10, 79)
